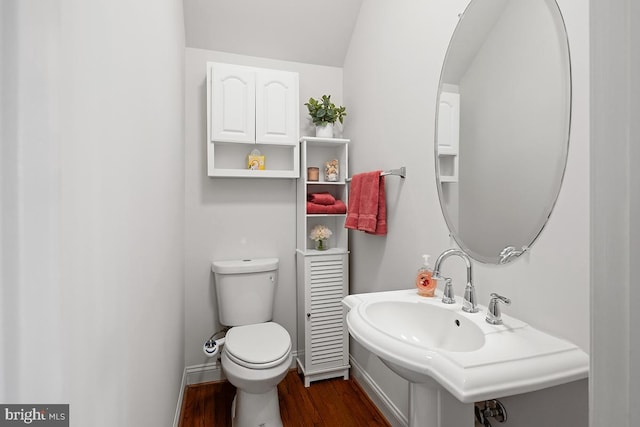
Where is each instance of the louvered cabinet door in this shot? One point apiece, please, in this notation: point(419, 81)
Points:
point(326, 337)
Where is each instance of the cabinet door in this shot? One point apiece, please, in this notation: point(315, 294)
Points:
point(277, 107)
point(448, 136)
point(327, 334)
point(233, 104)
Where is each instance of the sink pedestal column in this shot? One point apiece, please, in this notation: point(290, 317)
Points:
point(430, 405)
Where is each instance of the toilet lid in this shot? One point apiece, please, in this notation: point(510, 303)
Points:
point(258, 346)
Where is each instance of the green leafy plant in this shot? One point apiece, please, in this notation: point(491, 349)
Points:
point(325, 111)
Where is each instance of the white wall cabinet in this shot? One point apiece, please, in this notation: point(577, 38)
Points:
point(249, 108)
point(448, 136)
point(323, 276)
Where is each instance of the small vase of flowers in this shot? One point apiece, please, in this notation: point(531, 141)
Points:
point(320, 234)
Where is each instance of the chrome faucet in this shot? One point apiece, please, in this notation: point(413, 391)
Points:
point(470, 302)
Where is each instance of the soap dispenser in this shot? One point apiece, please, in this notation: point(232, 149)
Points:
point(425, 282)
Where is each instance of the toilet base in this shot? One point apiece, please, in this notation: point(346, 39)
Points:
point(256, 410)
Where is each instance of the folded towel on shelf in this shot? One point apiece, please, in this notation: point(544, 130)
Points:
point(367, 205)
point(321, 198)
point(337, 208)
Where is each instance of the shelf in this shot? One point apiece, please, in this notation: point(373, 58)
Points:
point(325, 215)
point(445, 150)
point(324, 141)
point(330, 251)
point(246, 173)
point(229, 160)
point(315, 152)
point(448, 168)
point(326, 183)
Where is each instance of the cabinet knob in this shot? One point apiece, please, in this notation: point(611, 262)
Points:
point(308, 315)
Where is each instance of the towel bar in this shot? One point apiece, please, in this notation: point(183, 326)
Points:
point(401, 172)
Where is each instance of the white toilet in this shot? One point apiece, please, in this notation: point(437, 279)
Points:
point(257, 352)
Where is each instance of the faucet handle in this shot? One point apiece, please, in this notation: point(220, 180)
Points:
point(502, 299)
point(494, 315)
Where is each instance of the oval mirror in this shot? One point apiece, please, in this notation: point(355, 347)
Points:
point(502, 131)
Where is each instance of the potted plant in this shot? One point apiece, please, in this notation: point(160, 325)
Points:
point(324, 114)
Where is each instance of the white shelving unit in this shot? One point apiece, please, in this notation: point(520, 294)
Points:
point(323, 276)
point(247, 108)
point(314, 152)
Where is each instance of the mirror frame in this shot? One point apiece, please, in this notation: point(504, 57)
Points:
point(509, 253)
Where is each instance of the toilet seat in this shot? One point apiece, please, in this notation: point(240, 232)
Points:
point(258, 346)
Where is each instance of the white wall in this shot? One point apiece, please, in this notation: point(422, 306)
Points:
point(391, 78)
point(92, 214)
point(237, 218)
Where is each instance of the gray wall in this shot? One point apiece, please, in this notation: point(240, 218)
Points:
point(391, 78)
point(92, 177)
point(615, 210)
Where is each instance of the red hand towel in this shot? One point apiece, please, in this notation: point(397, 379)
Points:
point(353, 213)
point(381, 217)
point(321, 198)
point(337, 208)
point(367, 206)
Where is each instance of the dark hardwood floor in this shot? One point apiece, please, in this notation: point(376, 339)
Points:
point(332, 403)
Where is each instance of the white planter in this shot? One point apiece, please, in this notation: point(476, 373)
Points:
point(325, 131)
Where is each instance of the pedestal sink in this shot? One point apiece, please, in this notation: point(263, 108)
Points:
point(452, 358)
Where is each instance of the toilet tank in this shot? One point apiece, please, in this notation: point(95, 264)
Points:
point(245, 290)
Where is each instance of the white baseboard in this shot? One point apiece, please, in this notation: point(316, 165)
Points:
point(183, 384)
point(204, 373)
point(378, 396)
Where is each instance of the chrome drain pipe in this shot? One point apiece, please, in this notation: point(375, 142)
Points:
point(490, 409)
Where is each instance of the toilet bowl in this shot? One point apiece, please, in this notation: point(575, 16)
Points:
point(257, 352)
point(255, 359)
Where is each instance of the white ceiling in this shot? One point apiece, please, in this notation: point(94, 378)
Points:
point(290, 30)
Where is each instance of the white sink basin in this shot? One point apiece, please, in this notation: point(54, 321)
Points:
point(423, 340)
point(426, 326)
